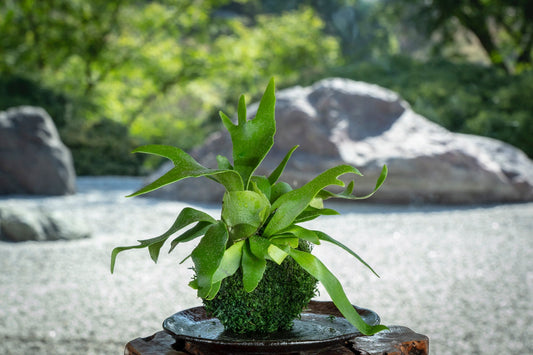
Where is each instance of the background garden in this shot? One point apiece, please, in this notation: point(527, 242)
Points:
point(116, 74)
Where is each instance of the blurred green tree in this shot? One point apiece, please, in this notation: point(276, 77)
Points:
point(160, 68)
point(79, 47)
point(39, 37)
point(359, 25)
point(504, 28)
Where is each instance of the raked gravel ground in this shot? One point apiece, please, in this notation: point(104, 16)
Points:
point(461, 275)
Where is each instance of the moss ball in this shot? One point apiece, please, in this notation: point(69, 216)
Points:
point(279, 298)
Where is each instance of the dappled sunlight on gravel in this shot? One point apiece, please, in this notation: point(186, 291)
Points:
point(462, 276)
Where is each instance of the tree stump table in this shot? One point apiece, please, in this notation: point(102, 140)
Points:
point(396, 341)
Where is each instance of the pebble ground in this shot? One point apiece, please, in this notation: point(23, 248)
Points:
point(461, 275)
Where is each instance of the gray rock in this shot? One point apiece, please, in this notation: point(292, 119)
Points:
point(36, 224)
point(338, 121)
point(33, 160)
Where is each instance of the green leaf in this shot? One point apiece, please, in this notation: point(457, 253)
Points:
point(262, 184)
point(117, 250)
point(208, 255)
point(242, 231)
point(252, 139)
point(317, 202)
point(215, 287)
point(311, 213)
point(323, 236)
point(230, 262)
point(316, 268)
point(184, 259)
point(244, 212)
point(185, 167)
point(285, 240)
point(193, 284)
point(187, 216)
point(253, 268)
point(291, 204)
point(274, 176)
point(382, 177)
point(198, 230)
point(278, 189)
point(259, 246)
point(347, 193)
point(277, 254)
point(301, 233)
point(223, 163)
point(262, 248)
point(241, 110)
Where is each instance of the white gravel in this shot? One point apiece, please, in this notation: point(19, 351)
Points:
point(461, 275)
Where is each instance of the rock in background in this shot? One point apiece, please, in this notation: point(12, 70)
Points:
point(33, 160)
point(37, 224)
point(338, 121)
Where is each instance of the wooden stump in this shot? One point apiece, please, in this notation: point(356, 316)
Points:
point(396, 341)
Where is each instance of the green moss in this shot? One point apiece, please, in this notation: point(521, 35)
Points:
point(278, 299)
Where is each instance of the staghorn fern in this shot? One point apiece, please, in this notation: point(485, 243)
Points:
point(260, 215)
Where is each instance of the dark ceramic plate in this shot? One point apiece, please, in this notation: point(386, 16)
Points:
point(320, 325)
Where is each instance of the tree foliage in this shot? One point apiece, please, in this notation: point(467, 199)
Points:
point(163, 68)
point(41, 36)
point(159, 68)
point(504, 28)
point(362, 31)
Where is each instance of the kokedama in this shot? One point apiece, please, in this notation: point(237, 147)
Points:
point(253, 267)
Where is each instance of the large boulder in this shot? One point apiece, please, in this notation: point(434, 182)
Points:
point(339, 121)
point(33, 160)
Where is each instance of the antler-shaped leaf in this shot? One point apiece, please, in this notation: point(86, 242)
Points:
point(316, 268)
point(327, 238)
point(253, 267)
point(186, 217)
point(230, 262)
point(252, 139)
point(274, 176)
point(186, 166)
point(290, 205)
point(311, 213)
point(300, 233)
point(347, 193)
point(207, 257)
